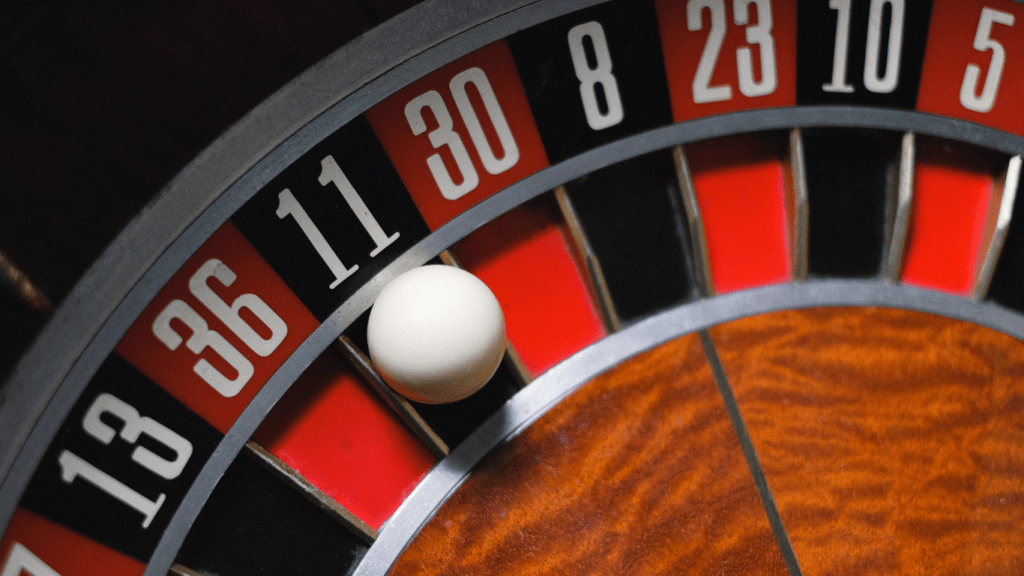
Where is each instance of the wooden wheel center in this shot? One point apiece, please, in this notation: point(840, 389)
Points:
point(891, 442)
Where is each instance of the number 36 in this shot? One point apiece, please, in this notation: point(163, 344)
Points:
point(203, 337)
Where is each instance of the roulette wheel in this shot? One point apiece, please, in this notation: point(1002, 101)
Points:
point(757, 260)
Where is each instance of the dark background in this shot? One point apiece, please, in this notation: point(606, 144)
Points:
point(103, 102)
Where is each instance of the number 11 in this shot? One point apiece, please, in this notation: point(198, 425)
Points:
point(331, 173)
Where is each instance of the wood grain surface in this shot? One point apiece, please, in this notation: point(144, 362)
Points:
point(638, 472)
point(893, 441)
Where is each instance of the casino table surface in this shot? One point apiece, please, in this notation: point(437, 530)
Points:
point(760, 261)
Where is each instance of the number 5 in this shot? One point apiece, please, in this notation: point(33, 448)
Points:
point(982, 43)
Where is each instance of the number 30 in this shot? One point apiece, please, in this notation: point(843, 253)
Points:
point(445, 134)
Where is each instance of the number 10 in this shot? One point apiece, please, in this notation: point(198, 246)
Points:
point(872, 81)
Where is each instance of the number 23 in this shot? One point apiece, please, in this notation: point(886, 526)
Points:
point(760, 34)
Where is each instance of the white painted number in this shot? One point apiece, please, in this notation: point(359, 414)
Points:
point(760, 34)
point(331, 173)
point(590, 78)
point(839, 55)
point(445, 135)
point(22, 560)
point(703, 91)
point(492, 163)
point(229, 315)
point(289, 206)
point(202, 336)
point(72, 467)
point(874, 81)
point(983, 42)
point(136, 425)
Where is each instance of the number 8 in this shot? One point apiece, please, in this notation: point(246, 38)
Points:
point(590, 77)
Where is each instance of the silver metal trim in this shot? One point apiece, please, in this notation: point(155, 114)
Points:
point(591, 263)
point(749, 453)
point(409, 416)
point(511, 354)
point(695, 223)
point(1006, 188)
point(310, 492)
point(893, 268)
point(800, 219)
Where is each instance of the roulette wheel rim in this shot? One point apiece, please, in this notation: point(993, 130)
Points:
point(278, 132)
